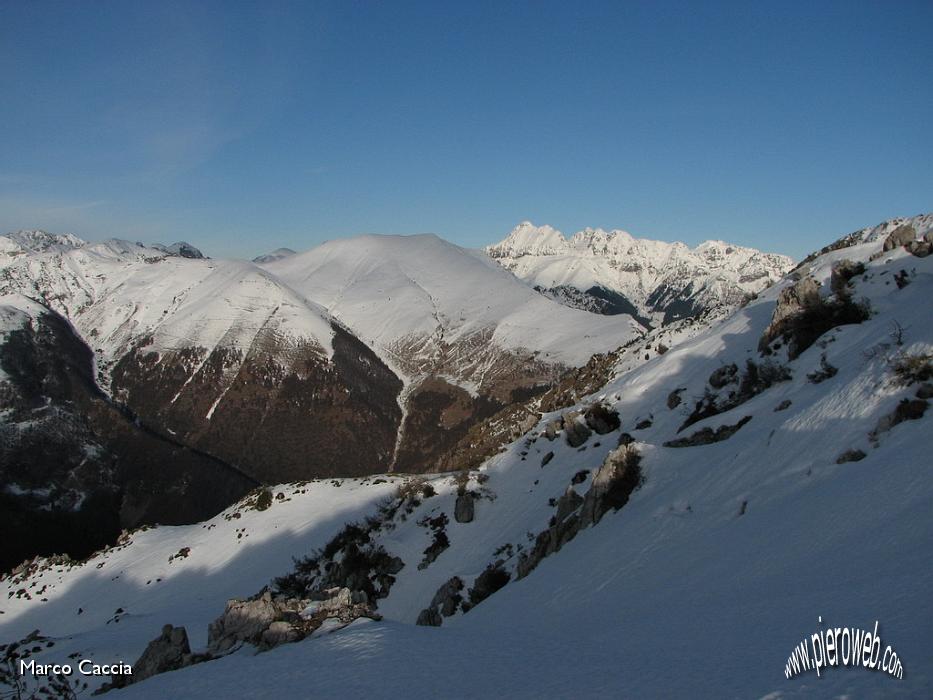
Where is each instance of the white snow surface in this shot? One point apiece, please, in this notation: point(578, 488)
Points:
point(635, 267)
point(675, 595)
point(396, 291)
point(117, 293)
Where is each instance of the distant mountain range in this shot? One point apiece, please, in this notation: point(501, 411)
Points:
point(611, 272)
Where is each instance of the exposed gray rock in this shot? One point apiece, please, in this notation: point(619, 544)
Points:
point(602, 419)
point(567, 504)
point(804, 294)
point(724, 376)
point(919, 249)
point(613, 484)
point(447, 598)
point(168, 652)
point(242, 621)
point(547, 458)
point(707, 436)
point(617, 477)
point(902, 235)
point(674, 399)
point(850, 456)
point(925, 391)
point(464, 507)
point(575, 429)
point(553, 428)
point(429, 617)
point(279, 632)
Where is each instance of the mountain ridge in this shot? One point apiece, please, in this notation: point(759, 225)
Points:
point(614, 272)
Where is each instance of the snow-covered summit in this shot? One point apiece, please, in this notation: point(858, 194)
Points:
point(658, 281)
point(33, 241)
point(416, 296)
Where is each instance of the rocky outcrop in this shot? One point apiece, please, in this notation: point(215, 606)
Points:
point(801, 316)
point(464, 507)
point(266, 621)
point(444, 603)
point(900, 236)
point(707, 436)
point(576, 431)
point(601, 418)
point(613, 484)
point(168, 652)
point(611, 487)
point(242, 621)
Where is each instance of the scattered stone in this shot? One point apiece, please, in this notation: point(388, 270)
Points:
point(547, 458)
point(625, 439)
point(643, 424)
point(925, 391)
point(783, 406)
point(464, 506)
point(580, 476)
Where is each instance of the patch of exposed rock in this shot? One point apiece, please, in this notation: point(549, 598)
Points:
point(266, 621)
point(167, 652)
point(707, 436)
point(612, 486)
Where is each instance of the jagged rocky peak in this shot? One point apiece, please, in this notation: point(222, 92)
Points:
point(528, 239)
point(276, 254)
point(614, 272)
point(36, 240)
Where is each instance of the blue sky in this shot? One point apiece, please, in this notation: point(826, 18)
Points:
point(245, 126)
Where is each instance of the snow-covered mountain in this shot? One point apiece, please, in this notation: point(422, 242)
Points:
point(239, 363)
point(465, 335)
point(612, 272)
point(676, 532)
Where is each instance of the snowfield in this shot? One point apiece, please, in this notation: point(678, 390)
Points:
point(700, 586)
point(412, 297)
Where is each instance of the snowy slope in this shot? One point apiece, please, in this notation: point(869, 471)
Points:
point(118, 292)
point(427, 305)
point(220, 356)
point(701, 585)
point(663, 281)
